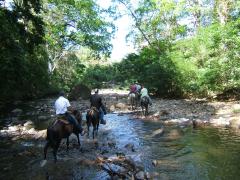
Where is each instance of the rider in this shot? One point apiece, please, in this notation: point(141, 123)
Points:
point(133, 89)
point(144, 93)
point(138, 87)
point(63, 109)
point(96, 101)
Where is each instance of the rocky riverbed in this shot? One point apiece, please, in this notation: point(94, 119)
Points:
point(183, 112)
point(115, 152)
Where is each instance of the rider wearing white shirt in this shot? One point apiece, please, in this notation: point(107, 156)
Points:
point(62, 105)
point(144, 93)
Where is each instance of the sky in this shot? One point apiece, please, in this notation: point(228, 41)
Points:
point(120, 47)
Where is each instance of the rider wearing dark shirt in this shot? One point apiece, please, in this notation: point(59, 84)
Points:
point(96, 101)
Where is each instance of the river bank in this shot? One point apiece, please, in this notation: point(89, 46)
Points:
point(128, 140)
point(181, 111)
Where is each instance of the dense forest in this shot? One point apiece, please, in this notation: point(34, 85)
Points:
point(185, 48)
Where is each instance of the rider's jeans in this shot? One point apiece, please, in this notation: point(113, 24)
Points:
point(101, 113)
point(73, 121)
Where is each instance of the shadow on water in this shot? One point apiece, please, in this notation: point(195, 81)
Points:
point(178, 153)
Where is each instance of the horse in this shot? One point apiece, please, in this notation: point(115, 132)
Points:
point(61, 129)
point(133, 100)
point(144, 104)
point(93, 118)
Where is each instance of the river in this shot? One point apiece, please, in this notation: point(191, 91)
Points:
point(174, 153)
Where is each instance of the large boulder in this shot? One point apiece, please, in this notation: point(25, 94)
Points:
point(78, 91)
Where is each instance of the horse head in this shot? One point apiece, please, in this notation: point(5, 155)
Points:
point(78, 116)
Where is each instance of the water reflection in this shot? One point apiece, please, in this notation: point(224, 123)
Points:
point(208, 153)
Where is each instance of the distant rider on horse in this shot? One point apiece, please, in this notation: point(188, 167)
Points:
point(133, 89)
point(136, 89)
point(96, 101)
point(63, 109)
point(144, 93)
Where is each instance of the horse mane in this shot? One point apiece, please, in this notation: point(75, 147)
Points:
point(78, 115)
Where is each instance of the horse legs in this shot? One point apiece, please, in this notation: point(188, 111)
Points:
point(88, 127)
point(146, 111)
point(55, 154)
point(97, 128)
point(78, 139)
point(93, 132)
point(142, 111)
point(67, 143)
point(55, 149)
point(132, 102)
point(45, 149)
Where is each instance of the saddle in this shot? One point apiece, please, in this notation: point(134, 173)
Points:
point(62, 120)
point(144, 99)
point(93, 109)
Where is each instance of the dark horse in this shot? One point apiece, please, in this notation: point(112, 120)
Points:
point(61, 129)
point(144, 105)
point(93, 118)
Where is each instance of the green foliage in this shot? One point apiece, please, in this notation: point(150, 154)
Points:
point(51, 44)
point(23, 65)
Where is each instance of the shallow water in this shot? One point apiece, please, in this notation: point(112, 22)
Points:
point(179, 153)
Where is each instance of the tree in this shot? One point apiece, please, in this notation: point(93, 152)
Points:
point(71, 25)
point(23, 65)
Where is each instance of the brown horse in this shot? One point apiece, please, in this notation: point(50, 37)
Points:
point(144, 104)
point(61, 129)
point(93, 118)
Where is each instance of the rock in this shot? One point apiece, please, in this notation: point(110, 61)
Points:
point(147, 175)
point(154, 162)
point(31, 131)
point(78, 91)
point(164, 113)
point(130, 147)
point(163, 176)
point(111, 144)
point(236, 107)
point(174, 134)
point(235, 123)
point(16, 112)
point(112, 108)
point(43, 118)
point(140, 175)
point(121, 106)
point(197, 123)
point(43, 163)
point(220, 121)
point(14, 128)
point(40, 134)
point(28, 123)
point(15, 120)
point(157, 132)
